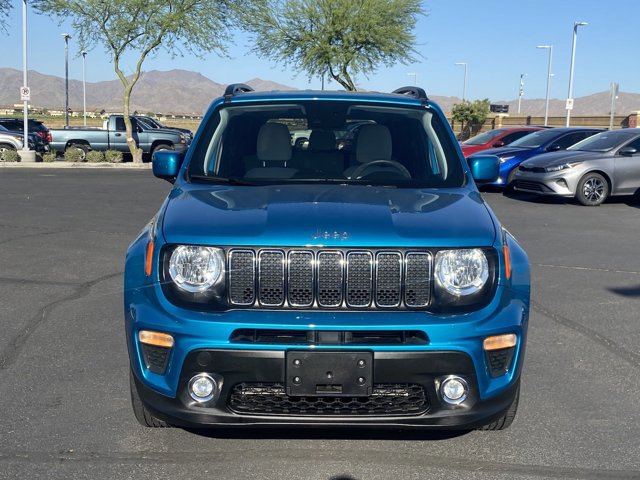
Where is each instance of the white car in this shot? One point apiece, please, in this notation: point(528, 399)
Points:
point(9, 141)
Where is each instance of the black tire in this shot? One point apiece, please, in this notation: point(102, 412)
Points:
point(84, 149)
point(507, 419)
point(593, 190)
point(141, 413)
point(161, 147)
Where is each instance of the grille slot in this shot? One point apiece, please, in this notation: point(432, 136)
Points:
point(242, 277)
point(418, 280)
point(388, 279)
point(319, 278)
point(330, 279)
point(271, 399)
point(301, 279)
point(528, 185)
point(359, 277)
point(324, 337)
point(500, 361)
point(271, 277)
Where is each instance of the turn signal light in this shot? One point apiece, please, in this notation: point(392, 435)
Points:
point(507, 261)
point(148, 261)
point(156, 339)
point(499, 342)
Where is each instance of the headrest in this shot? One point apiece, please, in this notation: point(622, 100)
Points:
point(274, 143)
point(373, 143)
point(322, 140)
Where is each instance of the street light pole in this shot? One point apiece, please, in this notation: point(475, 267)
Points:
point(521, 91)
point(546, 101)
point(464, 86)
point(66, 37)
point(573, 61)
point(84, 87)
point(25, 139)
point(415, 78)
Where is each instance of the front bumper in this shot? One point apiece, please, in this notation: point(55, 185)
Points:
point(556, 183)
point(234, 367)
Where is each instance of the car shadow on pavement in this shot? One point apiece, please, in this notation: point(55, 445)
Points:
point(626, 291)
point(327, 434)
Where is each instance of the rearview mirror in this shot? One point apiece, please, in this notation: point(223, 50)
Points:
point(166, 164)
point(553, 148)
point(485, 168)
point(498, 144)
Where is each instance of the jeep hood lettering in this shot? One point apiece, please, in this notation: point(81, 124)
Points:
point(327, 215)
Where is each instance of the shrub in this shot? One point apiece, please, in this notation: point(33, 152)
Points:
point(50, 156)
point(113, 156)
point(95, 157)
point(9, 156)
point(73, 155)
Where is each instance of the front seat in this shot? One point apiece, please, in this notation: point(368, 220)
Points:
point(273, 151)
point(373, 142)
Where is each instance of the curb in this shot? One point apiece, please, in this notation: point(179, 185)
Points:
point(123, 166)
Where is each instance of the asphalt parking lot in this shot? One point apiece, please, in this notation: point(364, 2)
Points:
point(64, 394)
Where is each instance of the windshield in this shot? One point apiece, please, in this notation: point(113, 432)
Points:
point(535, 139)
point(483, 138)
point(327, 141)
point(603, 142)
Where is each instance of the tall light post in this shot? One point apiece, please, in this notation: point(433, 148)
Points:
point(415, 78)
point(464, 85)
point(66, 37)
point(84, 87)
point(546, 100)
point(521, 91)
point(573, 61)
point(25, 139)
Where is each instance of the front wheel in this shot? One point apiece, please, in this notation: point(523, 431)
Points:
point(161, 147)
point(592, 190)
point(507, 419)
point(141, 413)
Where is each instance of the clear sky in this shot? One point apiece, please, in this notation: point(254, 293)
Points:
point(496, 38)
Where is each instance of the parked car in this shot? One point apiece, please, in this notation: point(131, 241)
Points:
point(153, 123)
point(603, 165)
point(14, 141)
point(535, 143)
point(35, 140)
point(277, 287)
point(498, 137)
point(35, 126)
point(112, 137)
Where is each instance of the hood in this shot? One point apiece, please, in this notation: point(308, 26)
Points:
point(326, 215)
point(559, 158)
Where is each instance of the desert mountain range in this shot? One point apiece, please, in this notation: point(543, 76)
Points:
point(187, 92)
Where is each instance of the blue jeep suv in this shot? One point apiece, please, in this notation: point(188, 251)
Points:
point(324, 283)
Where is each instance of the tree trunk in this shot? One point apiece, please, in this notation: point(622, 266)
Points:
point(136, 152)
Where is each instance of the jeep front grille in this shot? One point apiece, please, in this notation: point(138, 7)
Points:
point(329, 278)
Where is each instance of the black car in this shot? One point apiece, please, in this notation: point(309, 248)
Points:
point(35, 126)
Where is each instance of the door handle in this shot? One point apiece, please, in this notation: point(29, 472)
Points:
point(118, 134)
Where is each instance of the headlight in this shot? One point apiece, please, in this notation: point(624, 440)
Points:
point(461, 272)
point(195, 269)
point(504, 159)
point(557, 168)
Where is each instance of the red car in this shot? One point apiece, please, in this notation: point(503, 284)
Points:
point(498, 137)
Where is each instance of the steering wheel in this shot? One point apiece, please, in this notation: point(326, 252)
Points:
point(359, 172)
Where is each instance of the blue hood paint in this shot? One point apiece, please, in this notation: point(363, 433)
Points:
point(292, 215)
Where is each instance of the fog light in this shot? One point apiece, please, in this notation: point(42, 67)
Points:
point(202, 388)
point(454, 390)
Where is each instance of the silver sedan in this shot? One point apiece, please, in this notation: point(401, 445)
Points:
point(602, 165)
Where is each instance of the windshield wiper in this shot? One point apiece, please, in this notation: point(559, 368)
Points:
point(227, 180)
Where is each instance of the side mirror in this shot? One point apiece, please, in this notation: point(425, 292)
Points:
point(553, 148)
point(166, 164)
point(140, 130)
point(485, 168)
point(627, 151)
point(498, 144)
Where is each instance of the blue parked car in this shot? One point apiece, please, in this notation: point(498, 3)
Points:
point(323, 284)
point(536, 143)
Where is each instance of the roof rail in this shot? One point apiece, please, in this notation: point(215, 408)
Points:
point(235, 89)
point(415, 92)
